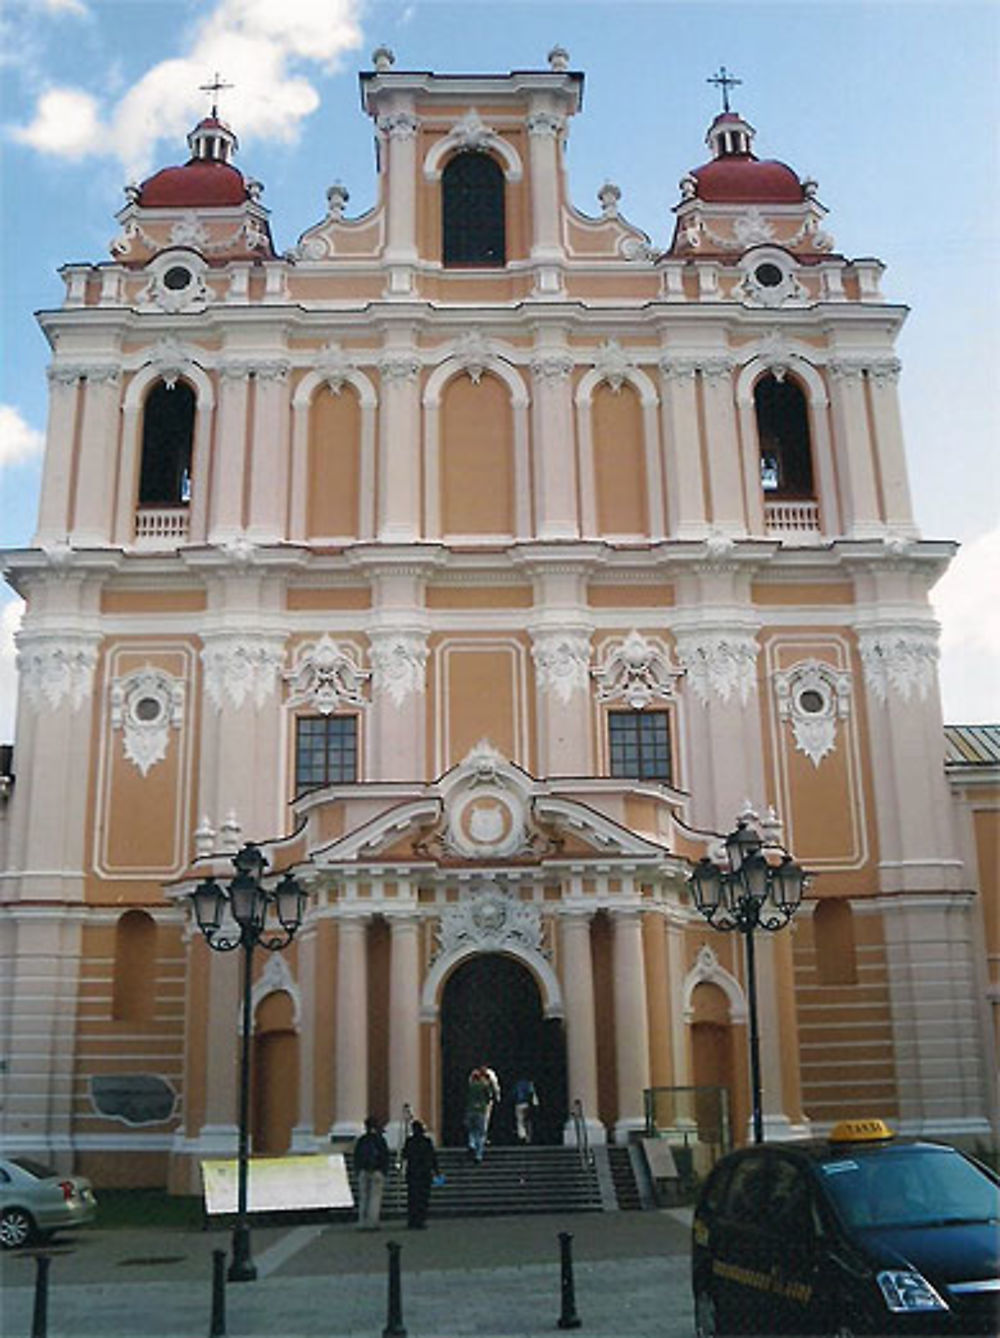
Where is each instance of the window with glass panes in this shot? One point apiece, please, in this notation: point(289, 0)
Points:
point(326, 750)
point(640, 744)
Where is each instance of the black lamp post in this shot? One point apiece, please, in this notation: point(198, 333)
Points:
point(256, 915)
point(753, 893)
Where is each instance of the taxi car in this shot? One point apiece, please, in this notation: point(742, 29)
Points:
point(35, 1200)
point(857, 1233)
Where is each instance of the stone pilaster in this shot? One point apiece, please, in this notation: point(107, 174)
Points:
point(631, 1022)
point(99, 435)
point(351, 1061)
point(555, 456)
point(404, 1021)
point(686, 516)
point(577, 978)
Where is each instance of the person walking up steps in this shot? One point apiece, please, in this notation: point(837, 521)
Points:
point(371, 1161)
point(478, 1105)
point(525, 1102)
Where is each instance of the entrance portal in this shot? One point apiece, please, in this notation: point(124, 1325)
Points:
point(491, 1013)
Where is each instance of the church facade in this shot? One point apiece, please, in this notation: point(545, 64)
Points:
point(482, 563)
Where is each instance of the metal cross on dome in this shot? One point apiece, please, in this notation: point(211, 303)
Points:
point(725, 81)
point(215, 88)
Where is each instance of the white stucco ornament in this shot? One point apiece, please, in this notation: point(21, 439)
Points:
point(54, 667)
point(900, 661)
point(612, 364)
point(813, 697)
point(637, 671)
point(489, 918)
point(721, 664)
point(399, 664)
point(326, 676)
point(486, 809)
point(241, 667)
point(562, 661)
point(146, 705)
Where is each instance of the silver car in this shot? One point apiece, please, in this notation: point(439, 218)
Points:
point(35, 1200)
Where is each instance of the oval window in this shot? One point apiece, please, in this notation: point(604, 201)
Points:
point(147, 708)
point(811, 701)
point(768, 275)
point(176, 278)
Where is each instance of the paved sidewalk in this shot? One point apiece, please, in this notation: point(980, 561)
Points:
point(496, 1278)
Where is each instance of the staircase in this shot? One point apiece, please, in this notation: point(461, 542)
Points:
point(509, 1180)
point(623, 1178)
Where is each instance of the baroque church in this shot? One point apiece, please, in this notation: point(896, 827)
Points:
point(482, 563)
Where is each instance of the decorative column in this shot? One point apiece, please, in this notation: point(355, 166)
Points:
point(577, 980)
point(97, 464)
point(351, 1093)
point(229, 472)
point(631, 1022)
point(57, 469)
point(545, 130)
point(399, 128)
point(661, 1047)
point(883, 374)
point(269, 468)
point(722, 444)
point(552, 426)
point(305, 1133)
point(404, 1021)
point(853, 448)
point(399, 445)
point(686, 516)
point(562, 678)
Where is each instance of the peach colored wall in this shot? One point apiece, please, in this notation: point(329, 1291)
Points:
point(477, 465)
point(332, 506)
point(619, 461)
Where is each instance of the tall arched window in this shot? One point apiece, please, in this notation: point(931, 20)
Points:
point(134, 986)
point(783, 432)
point(167, 439)
point(472, 211)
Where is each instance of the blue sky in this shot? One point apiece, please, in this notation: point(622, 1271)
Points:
point(892, 107)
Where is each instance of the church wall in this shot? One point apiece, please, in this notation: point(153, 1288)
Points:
point(334, 473)
point(619, 463)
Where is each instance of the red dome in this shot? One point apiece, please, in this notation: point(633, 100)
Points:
point(743, 179)
point(201, 183)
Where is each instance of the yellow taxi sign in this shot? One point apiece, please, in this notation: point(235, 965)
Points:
point(860, 1131)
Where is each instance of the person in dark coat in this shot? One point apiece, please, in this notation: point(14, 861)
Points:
point(421, 1163)
point(371, 1161)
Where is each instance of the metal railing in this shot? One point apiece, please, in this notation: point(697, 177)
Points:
point(580, 1133)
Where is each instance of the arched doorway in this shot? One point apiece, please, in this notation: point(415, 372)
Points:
point(491, 1013)
point(275, 1083)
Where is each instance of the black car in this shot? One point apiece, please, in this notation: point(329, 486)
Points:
point(858, 1233)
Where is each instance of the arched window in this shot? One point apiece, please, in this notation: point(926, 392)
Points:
point(134, 987)
point(472, 211)
point(167, 438)
point(783, 433)
point(833, 935)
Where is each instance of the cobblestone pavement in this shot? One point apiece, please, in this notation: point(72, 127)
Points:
point(497, 1278)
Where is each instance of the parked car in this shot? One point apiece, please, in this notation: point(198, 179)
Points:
point(35, 1200)
point(858, 1233)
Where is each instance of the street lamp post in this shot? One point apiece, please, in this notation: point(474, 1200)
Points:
point(245, 915)
point(753, 892)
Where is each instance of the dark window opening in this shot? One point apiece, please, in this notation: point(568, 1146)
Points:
point(783, 432)
point(167, 439)
point(472, 208)
point(640, 744)
point(326, 750)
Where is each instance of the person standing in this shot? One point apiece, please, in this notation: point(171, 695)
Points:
point(371, 1161)
point(421, 1162)
point(478, 1105)
point(525, 1101)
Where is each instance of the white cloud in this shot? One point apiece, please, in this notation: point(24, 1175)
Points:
point(11, 613)
point(19, 441)
point(67, 123)
point(965, 601)
point(65, 7)
point(258, 46)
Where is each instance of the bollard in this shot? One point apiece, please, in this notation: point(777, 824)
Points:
point(40, 1314)
point(569, 1319)
point(394, 1319)
point(218, 1325)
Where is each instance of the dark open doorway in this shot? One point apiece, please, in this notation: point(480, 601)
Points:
point(491, 1013)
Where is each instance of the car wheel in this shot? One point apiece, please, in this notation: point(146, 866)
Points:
point(706, 1318)
point(16, 1228)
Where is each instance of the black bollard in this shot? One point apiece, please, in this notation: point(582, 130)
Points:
point(40, 1314)
point(218, 1325)
point(394, 1319)
point(569, 1319)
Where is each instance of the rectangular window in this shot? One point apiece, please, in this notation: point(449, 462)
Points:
point(640, 744)
point(326, 750)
